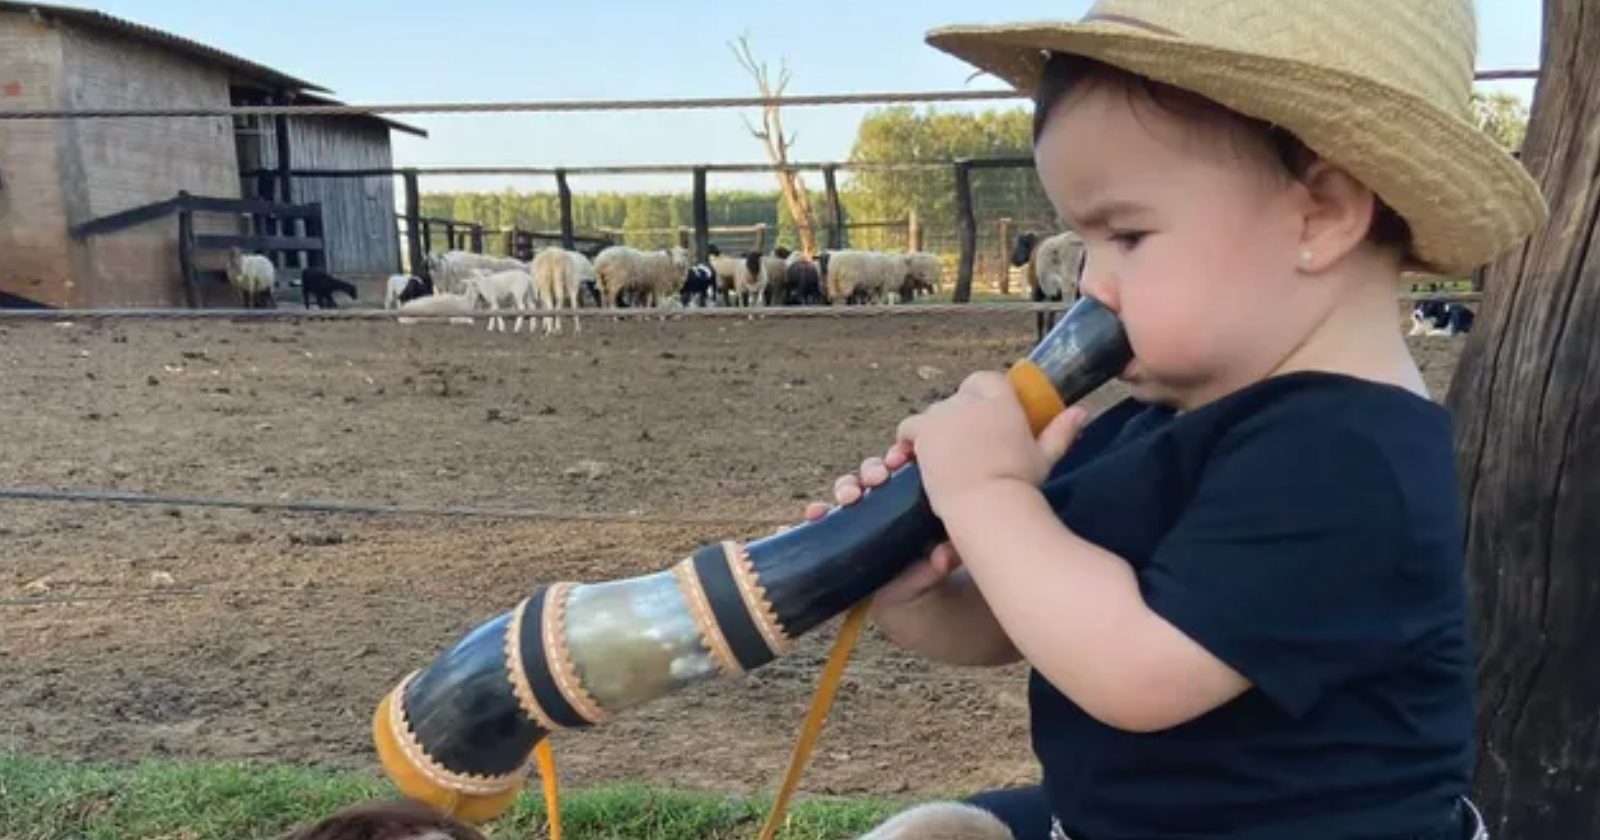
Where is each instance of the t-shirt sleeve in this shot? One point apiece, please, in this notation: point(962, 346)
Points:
point(1285, 564)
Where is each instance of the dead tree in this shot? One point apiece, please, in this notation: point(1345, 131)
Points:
point(1526, 401)
point(777, 143)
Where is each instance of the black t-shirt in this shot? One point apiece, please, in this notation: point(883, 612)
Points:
point(1307, 531)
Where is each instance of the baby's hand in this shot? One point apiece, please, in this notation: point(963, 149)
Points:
point(920, 577)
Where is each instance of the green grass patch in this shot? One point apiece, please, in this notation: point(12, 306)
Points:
point(42, 799)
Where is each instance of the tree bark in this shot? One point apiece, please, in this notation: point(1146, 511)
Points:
point(1526, 401)
point(777, 144)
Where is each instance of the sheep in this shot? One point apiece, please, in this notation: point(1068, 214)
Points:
point(253, 276)
point(405, 287)
point(862, 276)
point(557, 276)
point(699, 286)
point(318, 285)
point(776, 269)
point(641, 278)
point(1054, 266)
point(452, 268)
point(727, 271)
point(942, 821)
point(1435, 317)
point(493, 290)
point(750, 279)
point(924, 275)
point(446, 303)
point(803, 283)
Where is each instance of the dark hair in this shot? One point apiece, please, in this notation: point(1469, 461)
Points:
point(1065, 73)
point(398, 820)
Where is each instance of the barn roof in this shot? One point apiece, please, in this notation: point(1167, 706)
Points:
point(244, 69)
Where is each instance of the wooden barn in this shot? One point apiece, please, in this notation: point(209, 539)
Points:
point(90, 209)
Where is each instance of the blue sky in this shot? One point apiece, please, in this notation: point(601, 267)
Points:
point(416, 50)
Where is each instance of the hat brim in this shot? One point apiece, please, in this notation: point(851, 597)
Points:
point(1466, 199)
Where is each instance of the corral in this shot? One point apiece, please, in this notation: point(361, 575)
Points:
point(132, 631)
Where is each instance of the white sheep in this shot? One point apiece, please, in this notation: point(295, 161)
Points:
point(514, 287)
point(727, 269)
point(644, 278)
point(253, 276)
point(1055, 266)
point(942, 821)
point(445, 303)
point(864, 276)
point(557, 275)
point(451, 268)
point(924, 275)
point(750, 280)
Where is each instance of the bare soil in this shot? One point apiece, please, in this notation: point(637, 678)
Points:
point(128, 632)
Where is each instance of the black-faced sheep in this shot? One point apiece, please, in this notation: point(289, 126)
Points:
point(403, 288)
point(803, 284)
point(1053, 269)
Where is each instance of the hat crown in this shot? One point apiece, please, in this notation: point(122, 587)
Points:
point(1426, 48)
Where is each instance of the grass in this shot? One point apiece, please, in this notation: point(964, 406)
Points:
point(43, 799)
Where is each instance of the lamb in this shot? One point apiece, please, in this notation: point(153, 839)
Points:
point(317, 284)
point(641, 278)
point(254, 276)
point(1435, 317)
point(557, 276)
point(405, 287)
point(942, 821)
point(1054, 265)
point(924, 275)
point(444, 303)
point(494, 290)
point(862, 276)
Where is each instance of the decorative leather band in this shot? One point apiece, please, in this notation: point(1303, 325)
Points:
point(755, 598)
point(559, 657)
point(737, 624)
point(433, 771)
point(537, 665)
point(700, 608)
point(517, 671)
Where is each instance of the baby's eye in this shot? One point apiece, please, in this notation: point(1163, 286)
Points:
point(1128, 239)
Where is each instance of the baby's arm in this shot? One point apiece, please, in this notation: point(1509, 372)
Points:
point(1074, 610)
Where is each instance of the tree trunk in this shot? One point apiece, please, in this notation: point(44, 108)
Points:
point(1526, 400)
point(777, 144)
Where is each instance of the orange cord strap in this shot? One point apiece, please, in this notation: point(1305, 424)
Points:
point(821, 702)
point(552, 792)
point(1039, 397)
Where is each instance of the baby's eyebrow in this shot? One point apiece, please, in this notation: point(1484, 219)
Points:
point(1097, 214)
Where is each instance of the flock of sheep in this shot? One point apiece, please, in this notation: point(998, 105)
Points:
point(462, 283)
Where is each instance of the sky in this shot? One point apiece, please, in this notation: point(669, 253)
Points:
point(391, 51)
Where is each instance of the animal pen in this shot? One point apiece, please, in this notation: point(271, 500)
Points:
point(324, 456)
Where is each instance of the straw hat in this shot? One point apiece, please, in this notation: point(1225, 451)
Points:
point(1379, 87)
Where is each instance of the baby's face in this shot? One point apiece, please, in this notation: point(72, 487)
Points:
point(1193, 239)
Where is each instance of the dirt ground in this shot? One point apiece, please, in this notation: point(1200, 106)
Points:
point(183, 632)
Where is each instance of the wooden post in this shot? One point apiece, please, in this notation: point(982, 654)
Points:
point(761, 237)
point(835, 212)
point(702, 225)
point(1005, 257)
point(477, 238)
point(414, 240)
point(1526, 418)
point(565, 193)
point(450, 235)
point(427, 236)
point(913, 231)
point(287, 226)
point(191, 284)
point(967, 226)
point(319, 258)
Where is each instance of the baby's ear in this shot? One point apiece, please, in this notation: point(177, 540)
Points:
point(1339, 212)
point(942, 821)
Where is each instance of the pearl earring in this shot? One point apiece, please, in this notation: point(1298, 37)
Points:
point(1305, 258)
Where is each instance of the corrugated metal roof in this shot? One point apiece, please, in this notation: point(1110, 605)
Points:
point(245, 69)
point(100, 20)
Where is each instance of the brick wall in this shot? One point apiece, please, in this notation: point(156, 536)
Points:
point(34, 260)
